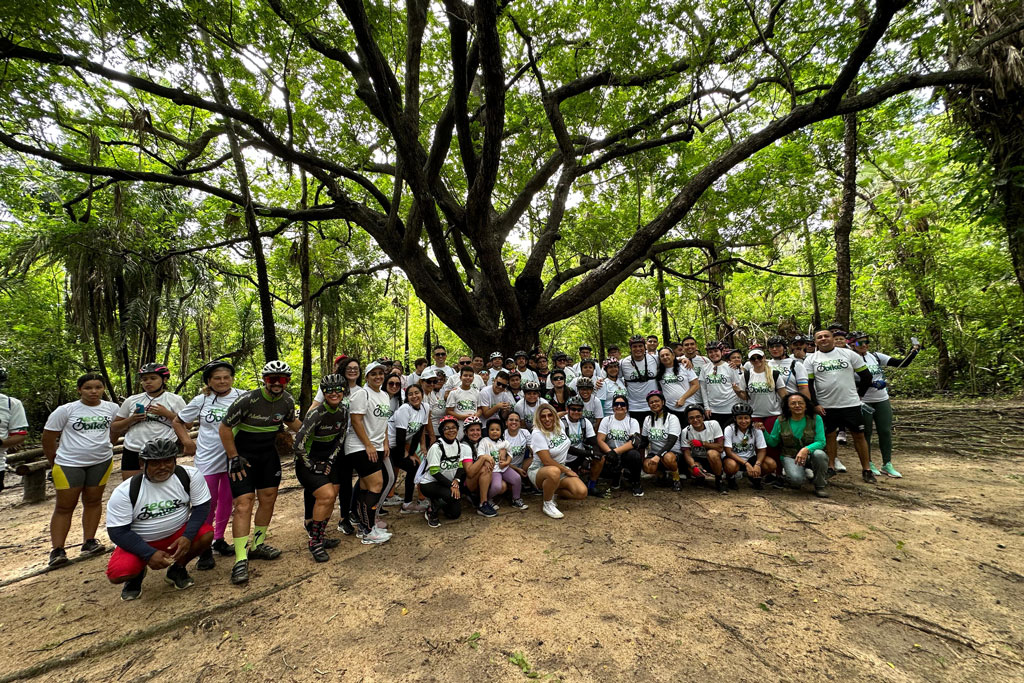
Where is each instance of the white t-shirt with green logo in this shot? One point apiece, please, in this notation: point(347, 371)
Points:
point(835, 377)
point(84, 433)
point(617, 432)
point(154, 426)
point(161, 509)
point(557, 445)
point(716, 387)
point(375, 407)
point(517, 445)
point(411, 420)
point(658, 431)
point(763, 392)
point(209, 411)
point(745, 444)
point(674, 385)
point(463, 401)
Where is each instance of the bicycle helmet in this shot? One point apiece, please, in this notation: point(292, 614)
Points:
point(742, 409)
point(637, 339)
point(776, 341)
point(470, 421)
point(531, 386)
point(574, 401)
point(276, 367)
point(161, 449)
point(155, 369)
point(799, 339)
point(213, 365)
point(333, 383)
point(609, 361)
point(585, 347)
point(714, 345)
point(588, 361)
point(524, 354)
point(559, 355)
point(496, 354)
point(584, 383)
point(446, 419)
point(654, 392)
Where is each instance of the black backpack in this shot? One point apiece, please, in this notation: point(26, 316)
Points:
point(136, 484)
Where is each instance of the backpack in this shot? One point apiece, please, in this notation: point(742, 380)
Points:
point(135, 487)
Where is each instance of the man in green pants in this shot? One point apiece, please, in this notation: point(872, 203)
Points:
point(876, 407)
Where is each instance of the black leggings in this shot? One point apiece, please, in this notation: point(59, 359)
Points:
point(409, 467)
point(632, 462)
point(441, 499)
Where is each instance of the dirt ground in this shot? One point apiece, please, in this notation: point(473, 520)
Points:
point(918, 579)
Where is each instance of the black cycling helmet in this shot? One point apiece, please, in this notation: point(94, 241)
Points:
point(585, 347)
point(637, 339)
point(584, 383)
point(333, 383)
point(524, 354)
point(559, 355)
point(799, 339)
point(713, 345)
point(155, 369)
point(742, 409)
point(588, 361)
point(574, 402)
point(161, 449)
point(213, 365)
point(776, 341)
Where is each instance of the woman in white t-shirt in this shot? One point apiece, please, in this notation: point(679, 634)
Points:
point(146, 417)
point(208, 409)
point(352, 371)
point(503, 478)
point(81, 463)
point(660, 434)
point(407, 440)
point(518, 440)
point(746, 449)
point(367, 449)
point(548, 471)
point(618, 437)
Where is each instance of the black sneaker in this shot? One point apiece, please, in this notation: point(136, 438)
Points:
point(720, 485)
point(595, 492)
point(757, 483)
point(222, 548)
point(432, 521)
point(206, 561)
point(240, 572)
point(264, 552)
point(821, 493)
point(330, 543)
point(638, 490)
point(677, 485)
point(178, 577)
point(318, 552)
point(830, 472)
point(133, 587)
point(92, 547)
point(57, 558)
point(732, 483)
point(345, 527)
point(869, 477)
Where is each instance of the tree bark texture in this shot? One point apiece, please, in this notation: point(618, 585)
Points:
point(844, 223)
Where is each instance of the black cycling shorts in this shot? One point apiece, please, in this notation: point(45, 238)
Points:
point(130, 460)
point(263, 472)
point(311, 480)
point(838, 418)
point(360, 462)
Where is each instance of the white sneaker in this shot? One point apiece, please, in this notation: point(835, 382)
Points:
point(841, 439)
point(840, 467)
point(808, 473)
point(551, 511)
point(413, 508)
point(392, 501)
point(376, 537)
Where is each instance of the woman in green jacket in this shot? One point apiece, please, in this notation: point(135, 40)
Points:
point(800, 434)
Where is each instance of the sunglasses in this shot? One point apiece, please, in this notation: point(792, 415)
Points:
point(465, 362)
point(576, 409)
point(277, 379)
point(500, 385)
point(620, 405)
point(334, 390)
point(394, 384)
point(439, 354)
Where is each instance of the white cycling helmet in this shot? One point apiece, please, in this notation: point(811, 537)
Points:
point(276, 367)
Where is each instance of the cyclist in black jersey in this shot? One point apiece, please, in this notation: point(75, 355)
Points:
point(249, 432)
point(315, 449)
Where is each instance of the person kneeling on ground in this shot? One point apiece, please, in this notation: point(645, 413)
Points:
point(660, 435)
point(584, 458)
point(157, 519)
point(549, 471)
point(503, 477)
point(746, 450)
point(802, 444)
point(445, 472)
point(703, 440)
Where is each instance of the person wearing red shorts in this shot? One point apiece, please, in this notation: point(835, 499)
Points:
point(157, 519)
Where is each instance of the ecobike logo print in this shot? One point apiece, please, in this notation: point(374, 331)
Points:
point(831, 365)
point(88, 423)
point(215, 415)
point(160, 508)
point(382, 411)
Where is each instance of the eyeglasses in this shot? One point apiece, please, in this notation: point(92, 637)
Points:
point(576, 408)
point(277, 379)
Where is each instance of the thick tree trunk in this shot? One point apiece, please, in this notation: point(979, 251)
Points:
point(844, 223)
point(306, 391)
point(1012, 195)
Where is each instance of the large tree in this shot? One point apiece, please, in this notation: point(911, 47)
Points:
point(474, 143)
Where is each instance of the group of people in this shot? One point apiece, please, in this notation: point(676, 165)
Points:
point(491, 433)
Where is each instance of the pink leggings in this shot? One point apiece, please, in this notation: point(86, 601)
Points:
point(510, 477)
point(220, 502)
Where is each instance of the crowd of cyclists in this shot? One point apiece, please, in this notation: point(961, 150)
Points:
point(483, 433)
